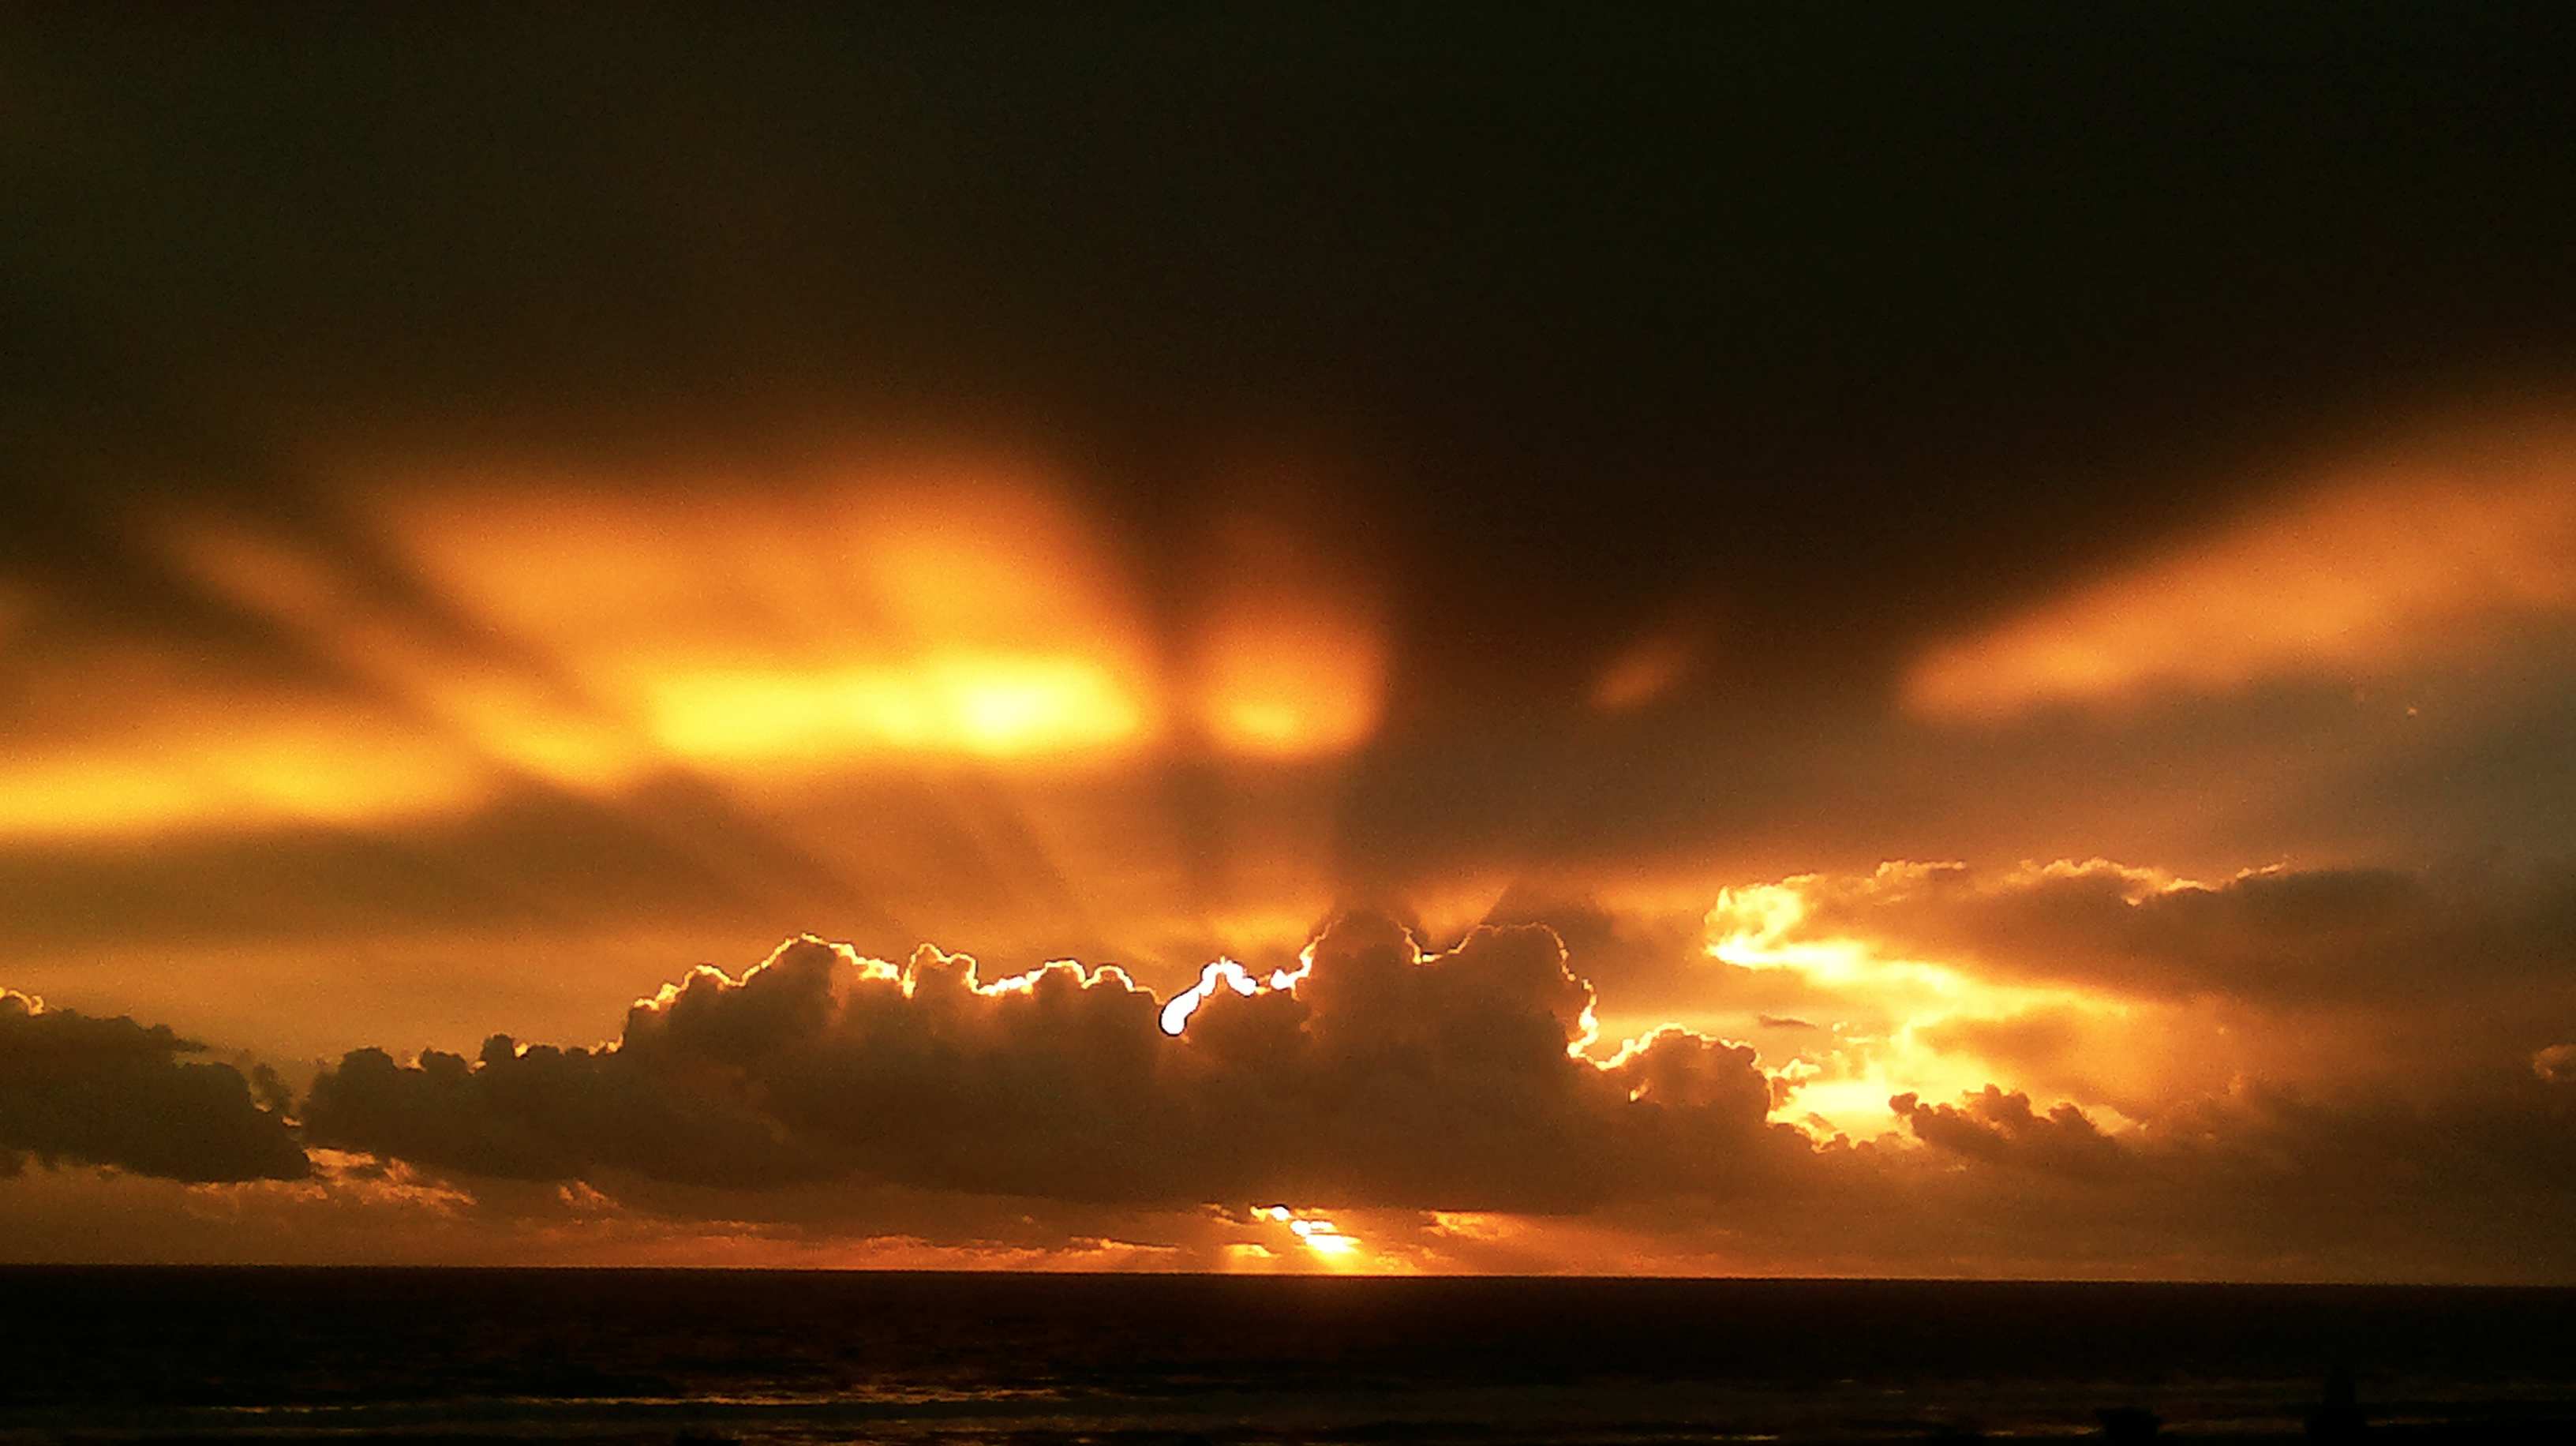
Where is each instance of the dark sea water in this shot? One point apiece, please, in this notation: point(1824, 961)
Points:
point(113, 1354)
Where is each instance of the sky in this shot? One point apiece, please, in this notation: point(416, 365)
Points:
point(1847, 642)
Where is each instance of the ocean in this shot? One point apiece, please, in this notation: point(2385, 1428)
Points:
point(694, 1356)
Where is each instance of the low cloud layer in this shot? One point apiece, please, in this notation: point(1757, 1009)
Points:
point(2002, 1128)
point(2375, 936)
point(1450, 1110)
point(113, 1092)
point(1383, 1077)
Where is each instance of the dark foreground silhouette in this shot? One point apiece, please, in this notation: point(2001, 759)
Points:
point(959, 1360)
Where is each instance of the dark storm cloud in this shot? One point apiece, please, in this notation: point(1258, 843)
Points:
point(1383, 1077)
point(1840, 328)
point(1800, 341)
point(113, 1092)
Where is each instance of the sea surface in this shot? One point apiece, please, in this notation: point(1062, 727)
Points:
point(693, 1356)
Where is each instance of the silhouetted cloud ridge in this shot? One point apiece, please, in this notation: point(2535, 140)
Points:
point(113, 1092)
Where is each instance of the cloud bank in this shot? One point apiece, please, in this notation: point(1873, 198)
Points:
point(1384, 1076)
point(1450, 1109)
point(2282, 936)
point(113, 1092)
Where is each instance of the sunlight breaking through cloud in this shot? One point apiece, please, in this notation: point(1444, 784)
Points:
point(1910, 1020)
point(989, 706)
point(1314, 1231)
point(947, 605)
point(1176, 1013)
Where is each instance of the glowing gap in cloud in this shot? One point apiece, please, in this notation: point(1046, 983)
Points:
point(1313, 1231)
point(1320, 1236)
point(1228, 974)
point(1895, 1004)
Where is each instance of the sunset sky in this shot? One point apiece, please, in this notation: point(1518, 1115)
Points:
point(1861, 642)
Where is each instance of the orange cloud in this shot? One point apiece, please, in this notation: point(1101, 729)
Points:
point(934, 606)
point(277, 770)
point(2401, 558)
point(949, 645)
point(1289, 678)
point(130, 741)
point(2131, 991)
point(491, 703)
point(951, 606)
point(1289, 654)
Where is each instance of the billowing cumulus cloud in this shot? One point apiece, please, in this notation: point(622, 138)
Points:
point(1381, 1076)
point(1378, 1108)
point(1435, 1111)
point(113, 1092)
point(1639, 958)
point(2002, 1128)
point(2064, 1069)
point(2083, 1016)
